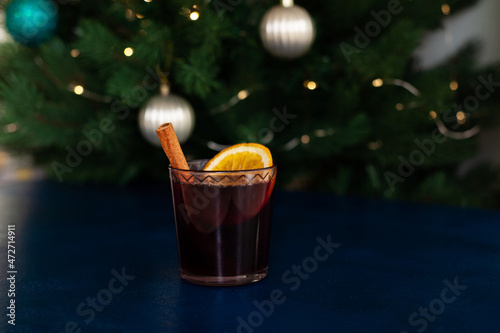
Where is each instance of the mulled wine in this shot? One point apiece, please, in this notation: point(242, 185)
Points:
point(223, 226)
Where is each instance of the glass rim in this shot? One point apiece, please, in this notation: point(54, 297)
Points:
point(220, 171)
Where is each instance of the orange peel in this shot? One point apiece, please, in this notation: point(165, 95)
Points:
point(243, 156)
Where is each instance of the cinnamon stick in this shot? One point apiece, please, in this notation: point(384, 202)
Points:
point(171, 146)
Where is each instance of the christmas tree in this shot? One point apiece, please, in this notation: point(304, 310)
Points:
point(352, 115)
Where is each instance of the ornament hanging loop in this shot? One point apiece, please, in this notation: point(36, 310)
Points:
point(287, 3)
point(164, 84)
point(164, 89)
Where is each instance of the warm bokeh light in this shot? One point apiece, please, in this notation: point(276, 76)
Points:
point(129, 14)
point(10, 128)
point(453, 85)
point(139, 16)
point(311, 85)
point(243, 94)
point(433, 114)
point(400, 106)
point(194, 16)
point(78, 90)
point(461, 117)
point(128, 51)
point(320, 133)
point(378, 83)
point(375, 145)
point(75, 53)
point(305, 139)
point(445, 8)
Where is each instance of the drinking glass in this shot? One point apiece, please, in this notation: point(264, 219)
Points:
point(223, 223)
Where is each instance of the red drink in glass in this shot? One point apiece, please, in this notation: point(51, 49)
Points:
point(223, 222)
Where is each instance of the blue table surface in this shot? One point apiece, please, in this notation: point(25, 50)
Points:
point(104, 259)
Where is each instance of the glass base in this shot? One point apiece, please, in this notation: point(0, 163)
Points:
point(221, 281)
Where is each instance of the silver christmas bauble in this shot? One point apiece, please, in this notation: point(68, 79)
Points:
point(287, 31)
point(166, 108)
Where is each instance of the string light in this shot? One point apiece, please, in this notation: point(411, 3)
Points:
point(320, 133)
point(311, 85)
point(267, 138)
point(148, 0)
point(194, 16)
point(10, 128)
point(432, 114)
point(291, 144)
point(378, 83)
point(128, 51)
point(453, 85)
point(185, 11)
point(75, 53)
point(70, 87)
point(243, 94)
point(445, 8)
point(461, 117)
point(403, 84)
point(305, 139)
point(129, 14)
point(375, 145)
point(78, 90)
point(457, 135)
point(216, 146)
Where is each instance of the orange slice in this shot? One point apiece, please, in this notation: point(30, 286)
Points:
point(243, 156)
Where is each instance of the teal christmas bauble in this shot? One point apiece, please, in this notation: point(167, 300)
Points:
point(31, 22)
